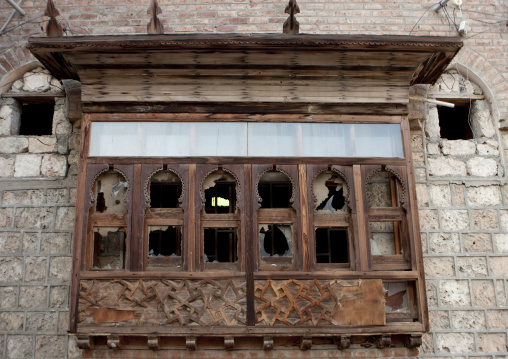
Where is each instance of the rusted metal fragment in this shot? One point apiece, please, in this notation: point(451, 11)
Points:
point(291, 25)
point(155, 25)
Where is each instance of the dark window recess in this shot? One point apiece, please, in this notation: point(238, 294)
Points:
point(220, 245)
point(335, 197)
point(221, 198)
point(275, 194)
point(332, 245)
point(165, 195)
point(37, 119)
point(454, 122)
point(165, 243)
point(274, 242)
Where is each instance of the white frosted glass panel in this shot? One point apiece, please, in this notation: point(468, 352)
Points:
point(275, 139)
point(326, 140)
point(378, 140)
point(237, 139)
point(169, 139)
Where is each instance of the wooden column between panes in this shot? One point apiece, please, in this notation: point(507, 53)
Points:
point(191, 246)
point(304, 219)
point(137, 252)
point(249, 245)
point(360, 222)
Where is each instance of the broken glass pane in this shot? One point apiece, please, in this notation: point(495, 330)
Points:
point(331, 192)
point(110, 190)
point(220, 193)
point(396, 297)
point(275, 190)
point(109, 248)
point(165, 190)
point(275, 240)
point(165, 241)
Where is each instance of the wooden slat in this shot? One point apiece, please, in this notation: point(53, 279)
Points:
point(360, 224)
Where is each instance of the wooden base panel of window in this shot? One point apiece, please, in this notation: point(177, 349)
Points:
point(102, 341)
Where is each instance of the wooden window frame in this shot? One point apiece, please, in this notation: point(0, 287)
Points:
point(302, 171)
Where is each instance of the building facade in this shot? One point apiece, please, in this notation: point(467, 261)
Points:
point(458, 160)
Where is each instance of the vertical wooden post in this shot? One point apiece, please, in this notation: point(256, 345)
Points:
point(250, 243)
point(191, 245)
point(304, 218)
point(360, 217)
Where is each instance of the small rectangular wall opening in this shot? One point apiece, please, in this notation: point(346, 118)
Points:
point(109, 248)
point(220, 245)
point(332, 245)
point(37, 119)
point(455, 122)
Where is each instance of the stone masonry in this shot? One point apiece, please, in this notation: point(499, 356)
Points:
point(461, 184)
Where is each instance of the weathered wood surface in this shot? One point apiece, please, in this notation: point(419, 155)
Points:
point(165, 302)
point(234, 69)
point(294, 303)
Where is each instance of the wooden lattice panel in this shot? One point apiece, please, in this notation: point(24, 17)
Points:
point(319, 302)
point(162, 302)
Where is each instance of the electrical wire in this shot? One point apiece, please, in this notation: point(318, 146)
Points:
point(450, 20)
point(430, 7)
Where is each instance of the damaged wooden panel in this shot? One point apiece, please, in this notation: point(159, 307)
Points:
point(234, 68)
point(294, 303)
point(162, 302)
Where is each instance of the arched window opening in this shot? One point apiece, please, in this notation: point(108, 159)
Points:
point(275, 189)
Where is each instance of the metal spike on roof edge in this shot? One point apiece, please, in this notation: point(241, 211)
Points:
point(53, 29)
point(291, 25)
point(154, 25)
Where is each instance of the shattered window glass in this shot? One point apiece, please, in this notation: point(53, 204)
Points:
point(275, 190)
point(396, 297)
point(109, 248)
point(110, 190)
point(165, 190)
point(220, 193)
point(276, 244)
point(331, 192)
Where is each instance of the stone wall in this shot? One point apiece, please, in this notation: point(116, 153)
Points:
point(37, 196)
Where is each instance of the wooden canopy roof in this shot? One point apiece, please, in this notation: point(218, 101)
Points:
point(307, 73)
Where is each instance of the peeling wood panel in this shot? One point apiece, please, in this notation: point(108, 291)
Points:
point(294, 303)
point(145, 302)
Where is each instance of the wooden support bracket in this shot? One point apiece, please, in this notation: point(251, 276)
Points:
point(229, 343)
point(154, 342)
point(190, 343)
point(413, 341)
point(85, 342)
point(306, 343)
point(343, 342)
point(114, 342)
point(383, 341)
point(268, 343)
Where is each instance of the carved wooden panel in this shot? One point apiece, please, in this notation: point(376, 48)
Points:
point(319, 302)
point(162, 302)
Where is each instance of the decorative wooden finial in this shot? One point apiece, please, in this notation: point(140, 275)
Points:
point(54, 29)
point(291, 25)
point(154, 26)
